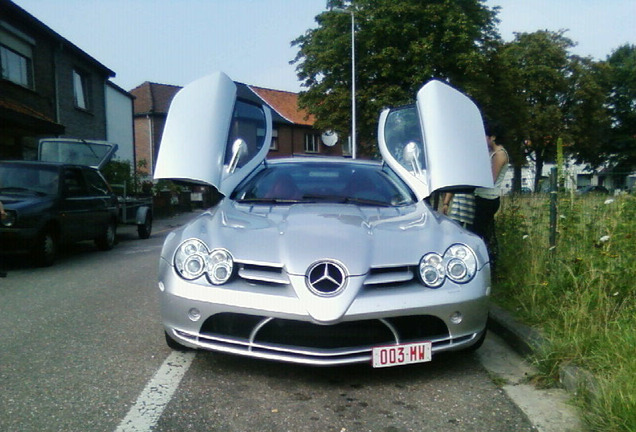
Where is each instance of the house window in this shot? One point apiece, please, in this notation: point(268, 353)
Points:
point(81, 90)
point(16, 57)
point(311, 143)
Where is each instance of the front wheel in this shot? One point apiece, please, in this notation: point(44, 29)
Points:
point(45, 249)
point(106, 241)
point(174, 345)
point(474, 347)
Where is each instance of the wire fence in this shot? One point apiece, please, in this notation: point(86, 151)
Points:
point(551, 215)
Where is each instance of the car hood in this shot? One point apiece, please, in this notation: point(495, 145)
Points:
point(20, 202)
point(296, 236)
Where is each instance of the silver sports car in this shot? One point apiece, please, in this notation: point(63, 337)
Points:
point(324, 261)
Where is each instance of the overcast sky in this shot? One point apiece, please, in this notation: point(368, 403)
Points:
point(178, 41)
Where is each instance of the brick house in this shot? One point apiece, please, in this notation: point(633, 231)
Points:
point(293, 132)
point(48, 87)
point(150, 109)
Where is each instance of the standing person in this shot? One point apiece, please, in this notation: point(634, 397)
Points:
point(460, 207)
point(487, 200)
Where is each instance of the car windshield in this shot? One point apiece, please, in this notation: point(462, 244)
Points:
point(31, 179)
point(288, 183)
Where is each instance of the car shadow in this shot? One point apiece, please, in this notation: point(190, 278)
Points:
point(442, 364)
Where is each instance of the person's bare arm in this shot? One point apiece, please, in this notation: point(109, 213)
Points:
point(499, 159)
point(448, 196)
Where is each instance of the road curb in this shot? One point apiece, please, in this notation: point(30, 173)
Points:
point(527, 341)
point(522, 338)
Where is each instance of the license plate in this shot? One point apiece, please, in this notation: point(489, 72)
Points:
point(395, 355)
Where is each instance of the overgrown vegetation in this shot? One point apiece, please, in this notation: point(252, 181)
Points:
point(580, 294)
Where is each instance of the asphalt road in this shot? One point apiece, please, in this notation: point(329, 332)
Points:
point(81, 342)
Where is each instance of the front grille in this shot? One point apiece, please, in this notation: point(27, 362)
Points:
point(264, 274)
point(380, 277)
point(300, 334)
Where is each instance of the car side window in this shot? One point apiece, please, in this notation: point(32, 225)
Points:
point(403, 136)
point(96, 184)
point(248, 124)
point(73, 182)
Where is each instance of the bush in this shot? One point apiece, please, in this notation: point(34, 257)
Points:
point(580, 294)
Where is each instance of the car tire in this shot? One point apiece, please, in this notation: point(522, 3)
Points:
point(106, 241)
point(145, 229)
point(45, 249)
point(174, 345)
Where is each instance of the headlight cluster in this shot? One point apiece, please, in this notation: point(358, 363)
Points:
point(458, 264)
point(9, 219)
point(193, 259)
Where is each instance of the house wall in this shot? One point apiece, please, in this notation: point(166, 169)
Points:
point(48, 107)
point(87, 123)
point(42, 97)
point(18, 141)
point(291, 141)
point(119, 124)
point(148, 130)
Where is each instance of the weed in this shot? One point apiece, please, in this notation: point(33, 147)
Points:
point(581, 294)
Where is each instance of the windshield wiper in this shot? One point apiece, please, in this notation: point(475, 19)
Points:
point(345, 200)
point(269, 201)
point(364, 201)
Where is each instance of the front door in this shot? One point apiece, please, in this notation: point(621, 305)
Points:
point(438, 143)
point(211, 136)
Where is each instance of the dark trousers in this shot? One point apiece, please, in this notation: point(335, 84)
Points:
point(484, 223)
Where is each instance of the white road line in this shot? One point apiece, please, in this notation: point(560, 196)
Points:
point(145, 413)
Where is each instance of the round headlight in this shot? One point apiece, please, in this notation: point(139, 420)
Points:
point(461, 263)
point(9, 219)
point(458, 264)
point(220, 265)
point(456, 269)
point(432, 270)
point(190, 259)
point(193, 259)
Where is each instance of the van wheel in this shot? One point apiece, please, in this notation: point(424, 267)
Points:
point(145, 229)
point(106, 241)
point(45, 249)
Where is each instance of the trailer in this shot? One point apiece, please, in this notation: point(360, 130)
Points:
point(134, 210)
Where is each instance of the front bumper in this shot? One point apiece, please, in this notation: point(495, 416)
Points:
point(17, 240)
point(270, 322)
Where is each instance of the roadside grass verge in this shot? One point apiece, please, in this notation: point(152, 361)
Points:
point(581, 294)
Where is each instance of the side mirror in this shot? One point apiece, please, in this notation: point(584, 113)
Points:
point(239, 150)
point(412, 158)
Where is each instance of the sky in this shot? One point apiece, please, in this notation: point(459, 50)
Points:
point(177, 41)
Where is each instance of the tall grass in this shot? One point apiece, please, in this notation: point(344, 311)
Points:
point(580, 294)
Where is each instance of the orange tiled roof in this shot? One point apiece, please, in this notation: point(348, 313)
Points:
point(153, 98)
point(286, 104)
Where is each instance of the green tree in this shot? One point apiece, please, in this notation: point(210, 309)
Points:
point(622, 105)
point(533, 81)
point(400, 45)
point(588, 121)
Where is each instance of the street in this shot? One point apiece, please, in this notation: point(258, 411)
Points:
point(81, 340)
